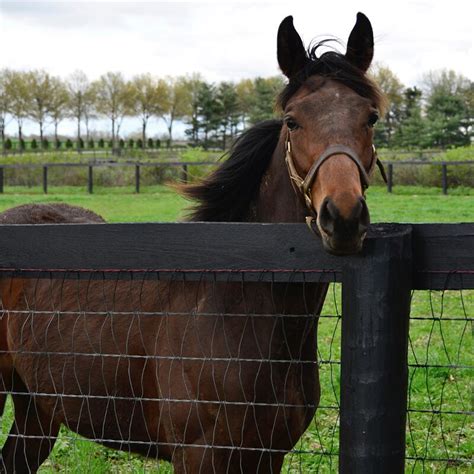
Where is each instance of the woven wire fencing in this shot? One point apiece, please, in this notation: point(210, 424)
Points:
point(152, 363)
point(440, 421)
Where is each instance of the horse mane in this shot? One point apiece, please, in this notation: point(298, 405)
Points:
point(226, 194)
point(333, 65)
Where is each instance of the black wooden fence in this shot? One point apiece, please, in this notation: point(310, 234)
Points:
point(377, 288)
point(185, 165)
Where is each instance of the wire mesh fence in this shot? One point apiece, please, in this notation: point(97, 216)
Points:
point(440, 427)
point(126, 370)
point(153, 366)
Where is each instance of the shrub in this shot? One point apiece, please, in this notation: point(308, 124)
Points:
point(80, 143)
point(34, 144)
point(69, 144)
point(57, 144)
point(158, 143)
point(110, 144)
point(131, 143)
point(150, 143)
point(45, 144)
point(121, 143)
point(22, 144)
point(8, 144)
point(139, 143)
point(90, 143)
point(101, 143)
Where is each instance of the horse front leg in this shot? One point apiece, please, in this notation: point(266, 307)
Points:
point(31, 438)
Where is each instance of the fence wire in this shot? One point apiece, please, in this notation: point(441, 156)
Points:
point(167, 369)
point(440, 418)
point(149, 365)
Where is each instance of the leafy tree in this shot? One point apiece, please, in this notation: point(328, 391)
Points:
point(101, 143)
point(174, 102)
point(42, 90)
point(194, 84)
point(8, 144)
point(229, 110)
point(449, 109)
point(59, 103)
point(34, 144)
point(131, 143)
point(77, 85)
point(411, 131)
point(245, 90)
point(90, 143)
point(393, 89)
point(146, 98)
point(208, 110)
point(114, 100)
point(17, 89)
point(69, 143)
point(5, 101)
point(150, 143)
point(121, 143)
point(263, 101)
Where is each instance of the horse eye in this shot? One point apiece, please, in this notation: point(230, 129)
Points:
point(373, 117)
point(291, 124)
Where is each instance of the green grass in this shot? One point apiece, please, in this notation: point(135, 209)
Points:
point(162, 203)
point(440, 342)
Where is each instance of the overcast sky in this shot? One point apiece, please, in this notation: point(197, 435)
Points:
point(225, 40)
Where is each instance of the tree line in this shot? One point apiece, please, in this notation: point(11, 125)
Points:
point(214, 113)
point(438, 113)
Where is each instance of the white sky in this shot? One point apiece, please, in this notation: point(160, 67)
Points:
point(224, 40)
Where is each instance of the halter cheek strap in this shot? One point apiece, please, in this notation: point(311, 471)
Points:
point(302, 186)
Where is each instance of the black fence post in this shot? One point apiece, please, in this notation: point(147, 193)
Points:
point(1, 179)
point(390, 178)
point(184, 174)
point(45, 179)
point(90, 180)
point(374, 373)
point(444, 178)
point(137, 178)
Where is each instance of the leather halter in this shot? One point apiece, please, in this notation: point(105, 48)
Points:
point(303, 186)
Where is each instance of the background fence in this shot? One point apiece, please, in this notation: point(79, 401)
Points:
point(362, 356)
point(28, 173)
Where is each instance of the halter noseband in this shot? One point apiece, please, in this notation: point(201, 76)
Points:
point(303, 186)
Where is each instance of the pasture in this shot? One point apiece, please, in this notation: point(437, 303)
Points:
point(440, 335)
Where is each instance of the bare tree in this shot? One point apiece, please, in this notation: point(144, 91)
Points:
point(17, 89)
point(114, 100)
point(147, 100)
point(78, 84)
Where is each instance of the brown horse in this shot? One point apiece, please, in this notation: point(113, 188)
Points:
point(204, 374)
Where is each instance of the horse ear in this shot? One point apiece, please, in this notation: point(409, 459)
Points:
point(290, 49)
point(360, 45)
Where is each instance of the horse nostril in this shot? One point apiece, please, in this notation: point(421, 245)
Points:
point(327, 216)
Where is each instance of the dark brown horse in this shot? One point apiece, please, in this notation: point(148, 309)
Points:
point(203, 374)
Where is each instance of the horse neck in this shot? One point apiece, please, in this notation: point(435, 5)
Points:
point(277, 200)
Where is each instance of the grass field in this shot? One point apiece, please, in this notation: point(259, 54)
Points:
point(443, 431)
point(162, 203)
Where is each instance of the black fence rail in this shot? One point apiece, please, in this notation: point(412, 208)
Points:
point(184, 174)
point(371, 417)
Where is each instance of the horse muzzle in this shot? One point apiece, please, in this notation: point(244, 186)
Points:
point(343, 235)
